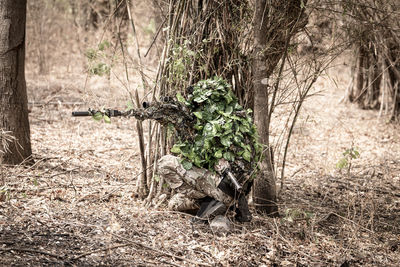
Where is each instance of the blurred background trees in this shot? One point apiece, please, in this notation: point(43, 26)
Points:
point(374, 29)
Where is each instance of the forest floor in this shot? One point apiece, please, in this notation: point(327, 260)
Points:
point(77, 204)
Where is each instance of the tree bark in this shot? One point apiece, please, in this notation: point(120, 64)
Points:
point(275, 23)
point(13, 96)
point(264, 189)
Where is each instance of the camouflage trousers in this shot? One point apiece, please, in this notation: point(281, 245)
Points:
point(189, 185)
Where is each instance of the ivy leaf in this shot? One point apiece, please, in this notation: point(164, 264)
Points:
point(229, 109)
point(221, 106)
point(198, 161)
point(180, 98)
point(229, 97)
point(209, 130)
point(229, 156)
point(97, 116)
point(176, 149)
point(200, 99)
point(244, 128)
point(218, 154)
point(247, 155)
point(198, 114)
point(226, 141)
point(187, 165)
point(106, 119)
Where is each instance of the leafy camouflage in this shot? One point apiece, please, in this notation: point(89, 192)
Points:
point(189, 185)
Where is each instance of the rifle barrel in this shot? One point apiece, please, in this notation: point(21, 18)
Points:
point(81, 113)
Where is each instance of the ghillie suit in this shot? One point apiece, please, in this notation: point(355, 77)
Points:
point(217, 146)
point(223, 140)
point(223, 129)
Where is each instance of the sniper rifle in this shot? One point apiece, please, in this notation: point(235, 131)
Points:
point(165, 112)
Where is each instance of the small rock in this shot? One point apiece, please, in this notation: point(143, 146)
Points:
point(221, 224)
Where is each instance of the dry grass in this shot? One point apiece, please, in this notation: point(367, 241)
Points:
point(77, 204)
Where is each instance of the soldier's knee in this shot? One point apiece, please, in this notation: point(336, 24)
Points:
point(179, 202)
point(171, 170)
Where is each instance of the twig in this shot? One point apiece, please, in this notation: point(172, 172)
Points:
point(64, 172)
point(98, 250)
point(347, 219)
point(155, 37)
point(129, 241)
point(160, 251)
point(142, 185)
point(33, 251)
point(41, 104)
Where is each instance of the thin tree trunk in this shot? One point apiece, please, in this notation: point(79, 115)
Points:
point(264, 190)
point(275, 23)
point(13, 97)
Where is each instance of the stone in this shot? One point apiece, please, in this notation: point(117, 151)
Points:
point(221, 224)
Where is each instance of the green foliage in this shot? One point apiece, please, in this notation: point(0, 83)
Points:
point(98, 116)
point(181, 57)
point(223, 128)
point(97, 59)
point(348, 155)
point(151, 27)
point(129, 105)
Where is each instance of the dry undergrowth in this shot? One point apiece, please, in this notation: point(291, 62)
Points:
point(77, 204)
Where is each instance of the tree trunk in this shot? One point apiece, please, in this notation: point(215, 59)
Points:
point(275, 23)
point(264, 189)
point(13, 96)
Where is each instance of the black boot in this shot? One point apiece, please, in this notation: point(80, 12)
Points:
point(209, 208)
point(242, 212)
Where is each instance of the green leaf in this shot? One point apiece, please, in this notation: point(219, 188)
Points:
point(218, 154)
point(229, 156)
point(198, 161)
point(226, 141)
point(106, 119)
point(208, 142)
point(244, 128)
point(355, 154)
point(187, 165)
point(209, 130)
point(247, 155)
point(97, 116)
point(229, 109)
point(129, 105)
point(176, 149)
point(199, 99)
point(342, 163)
point(91, 54)
point(180, 98)
point(103, 45)
point(198, 114)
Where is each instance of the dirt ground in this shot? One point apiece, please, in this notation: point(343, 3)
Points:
point(77, 204)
